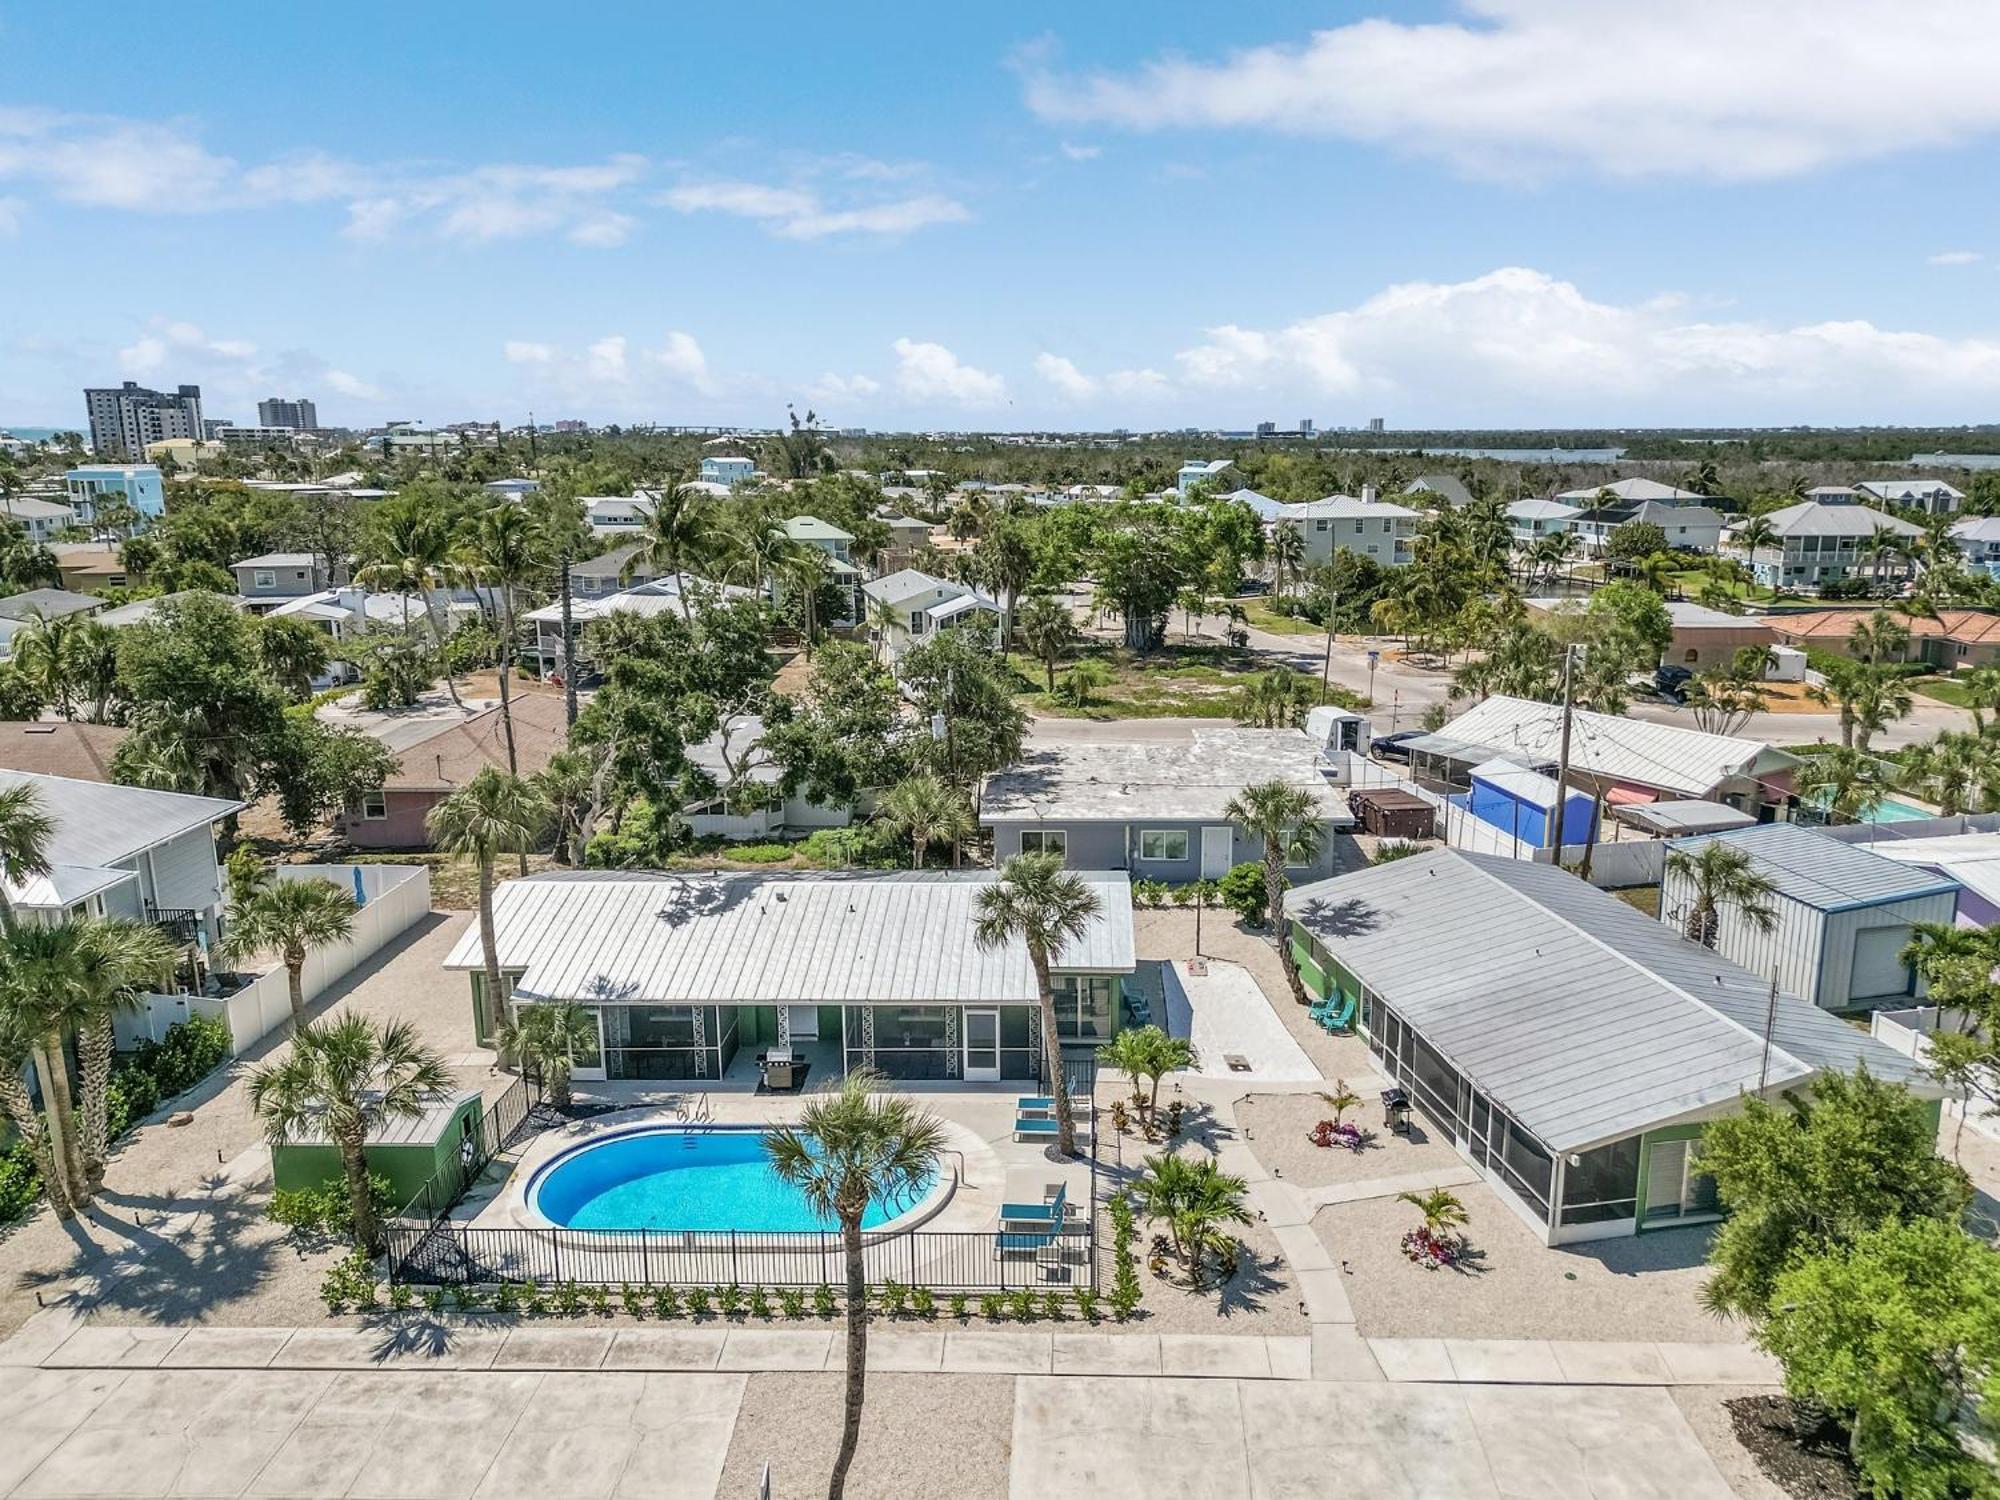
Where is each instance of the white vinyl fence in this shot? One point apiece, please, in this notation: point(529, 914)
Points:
point(391, 900)
point(1909, 1032)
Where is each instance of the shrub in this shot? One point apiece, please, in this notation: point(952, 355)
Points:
point(599, 1298)
point(895, 1297)
point(666, 1302)
point(823, 1300)
point(1150, 892)
point(434, 1299)
point(20, 1182)
point(507, 1300)
point(729, 1299)
point(1086, 1302)
point(467, 1298)
point(635, 1302)
point(1021, 1305)
point(1242, 891)
point(867, 846)
point(793, 1301)
point(760, 1303)
point(1054, 1304)
point(993, 1307)
point(758, 854)
point(699, 1302)
point(1126, 1288)
point(569, 1298)
point(1395, 849)
point(327, 1209)
point(923, 1302)
point(960, 1305)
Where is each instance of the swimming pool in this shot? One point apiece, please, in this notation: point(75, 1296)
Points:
point(664, 1177)
point(1888, 810)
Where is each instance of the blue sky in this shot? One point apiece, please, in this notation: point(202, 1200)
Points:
point(1511, 212)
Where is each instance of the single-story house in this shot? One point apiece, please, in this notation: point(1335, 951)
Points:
point(1262, 506)
point(1528, 521)
point(1688, 528)
point(139, 611)
point(735, 751)
point(1703, 639)
point(350, 613)
point(1951, 640)
point(849, 970)
point(1570, 1048)
point(1632, 760)
point(925, 605)
point(59, 747)
point(1157, 810)
point(432, 768)
point(18, 611)
point(89, 565)
point(41, 519)
point(1844, 916)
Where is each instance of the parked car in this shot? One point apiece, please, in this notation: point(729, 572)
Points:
point(1395, 746)
point(1673, 682)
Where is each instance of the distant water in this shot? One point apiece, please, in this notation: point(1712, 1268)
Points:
point(30, 434)
point(1523, 455)
point(1956, 460)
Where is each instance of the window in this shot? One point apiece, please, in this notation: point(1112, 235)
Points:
point(1045, 841)
point(264, 578)
point(1321, 525)
point(1601, 1186)
point(374, 806)
point(1086, 1005)
point(1163, 843)
point(916, 622)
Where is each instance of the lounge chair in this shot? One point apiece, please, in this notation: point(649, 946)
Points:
point(1340, 1017)
point(1050, 1211)
point(1005, 1244)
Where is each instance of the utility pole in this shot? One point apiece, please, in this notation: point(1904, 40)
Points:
point(569, 644)
point(1332, 622)
point(1770, 1025)
point(533, 455)
point(1562, 755)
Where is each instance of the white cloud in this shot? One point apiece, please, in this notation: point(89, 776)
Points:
point(1519, 345)
point(352, 385)
point(801, 214)
point(931, 372)
point(605, 360)
point(1081, 153)
point(233, 373)
point(1956, 258)
point(681, 358)
point(522, 352)
point(1138, 383)
point(832, 387)
point(1712, 88)
point(1063, 374)
point(143, 355)
point(612, 368)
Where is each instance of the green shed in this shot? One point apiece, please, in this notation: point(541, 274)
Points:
point(408, 1152)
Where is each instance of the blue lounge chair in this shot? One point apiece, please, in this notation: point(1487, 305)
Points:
point(1338, 1016)
point(1050, 1211)
point(1034, 1104)
point(1024, 1244)
point(1027, 1128)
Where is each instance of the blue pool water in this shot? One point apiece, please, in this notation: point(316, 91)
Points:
point(1888, 810)
point(677, 1179)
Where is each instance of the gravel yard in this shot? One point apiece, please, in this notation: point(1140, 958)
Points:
point(920, 1435)
point(1642, 1287)
point(1706, 1413)
point(1279, 1124)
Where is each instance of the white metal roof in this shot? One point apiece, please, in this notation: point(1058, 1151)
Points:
point(1903, 490)
point(1823, 873)
point(907, 583)
point(1513, 777)
point(1629, 489)
point(1972, 859)
point(100, 823)
point(1635, 750)
point(1542, 510)
point(277, 560)
point(1112, 783)
point(1347, 508)
point(763, 938)
point(1809, 518)
point(812, 528)
point(1582, 1018)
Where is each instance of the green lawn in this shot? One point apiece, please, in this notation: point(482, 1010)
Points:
point(1174, 682)
point(1262, 617)
point(1692, 581)
point(1943, 689)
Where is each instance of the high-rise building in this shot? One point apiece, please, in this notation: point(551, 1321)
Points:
point(1305, 426)
point(1375, 424)
point(124, 419)
point(297, 414)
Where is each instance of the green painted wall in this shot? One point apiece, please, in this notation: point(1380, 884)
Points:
point(1664, 1133)
point(408, 1168)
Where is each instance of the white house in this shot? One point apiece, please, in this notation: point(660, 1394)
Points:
point(733, 758)
point(1820, 543)
point(1631, 492)
point(617, 515)
point(41, 519)
point(727, 468)
point(542, 650)
point(350, 612)
point(925, 605)
point(1978, 537)
point(1531, 520)
point(1373, 528)
point(1688, 528)
point(1932, 496)
point(1201, 471)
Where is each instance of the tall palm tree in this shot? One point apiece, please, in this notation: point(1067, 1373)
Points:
point(113, 961)
point(44, 652)
point(882, 619)
point(1048, 630)
point(1958, 771)
point(1285, 817)
point(1039, 904)
point(1982, 693)
point(290, 918)
point(679, 530)
point(1722, 875)
point(1868, 697)
point(1847, 783)
point(342, 1081)
point(1757, 534)
point(502, 554)
point(42, 998)
point(853, 1146)
point(25, 832)
point(20, 1049)
point(547, 1038)
point(806, 569)
point(490, 815)
point(928, 812)
point(1288, 555)
point(410, 552)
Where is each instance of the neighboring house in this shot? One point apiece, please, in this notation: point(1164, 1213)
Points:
point(1266, 509)
point(1688, 528)
point(1629, 761)
point(1447, 487)
point(842, 572)
point(41, 519)
point(1971, 859)
point(733, 755)
point(609, 572)
point(17, 611)
point(1932, 496)
point(542, 646)
point(1951, 640)
point(1375, 529)
point(1202, 471)
point(728, 469)
point(1631, 492)
point(907, 536)
point(1703, 638)
point(681, 973)
point(1157, 809)
point(351, 612)
point(432, 768)
point(1820, 543)
point(92, 487)
point(1978, 537)
point(277, 577)
point(89, 565)
point(139, 611)
point(1566, 1045)
point(617, 515)
point(1528, 521)
point(512, 489)
point(60, 748)
point(126, 851)
point(925, 605)
point(1844, 916)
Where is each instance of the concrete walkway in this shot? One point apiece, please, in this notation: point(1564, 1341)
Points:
point(1224, 1013)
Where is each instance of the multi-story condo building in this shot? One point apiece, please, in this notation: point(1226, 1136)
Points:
point(124, 419)
point(1819, 544)
point(298, 414)
point(89, 487)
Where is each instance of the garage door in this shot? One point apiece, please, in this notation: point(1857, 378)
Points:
point(1878, 965)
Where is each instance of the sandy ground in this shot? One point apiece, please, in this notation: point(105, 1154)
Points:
point(920, 1435)
point(1702, 1405)
point(236, 1267)
point(1280, 1123)
point(1636, 1287)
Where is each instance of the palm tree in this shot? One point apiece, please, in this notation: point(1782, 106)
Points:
point(113, 960)
point(1982, 693)
point(1845, 783)
point(290, 918)
point(25, 832)
point(1880, 637)
point(42, 1000)
point(1958, 771)
point(1288, 555)
point(411, 554)
point(1194, 1198)
point(547, 1037)
point(807, 571)
point(855, 1145)
point(1048, 630)
point(1147, 1052)
point(1442, 1211)
point(502, 554)
point(679, 529)
point(1868, 696)
point(1081, 682)
point(20, 1048)
point(292, 652)
point(1722, 875)
point(492, 814)
point(44, 651)
point(1756, 534)
point(882, 618)
point(1037, 903)
point(928, 812)
point(342, 1081)
point(1286, 818)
